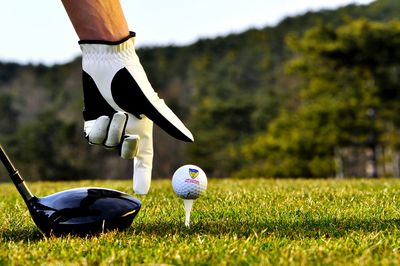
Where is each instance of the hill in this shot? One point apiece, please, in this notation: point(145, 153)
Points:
point(228, 89)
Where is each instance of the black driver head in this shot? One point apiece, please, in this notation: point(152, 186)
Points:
point(83, 211)
point(78, 211)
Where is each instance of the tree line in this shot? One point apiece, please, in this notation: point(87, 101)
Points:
point(278, 101)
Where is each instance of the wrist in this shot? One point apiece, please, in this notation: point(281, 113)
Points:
point(97, 20)
point(103, 34)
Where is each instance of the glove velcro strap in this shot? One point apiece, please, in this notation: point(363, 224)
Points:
point(131, 35)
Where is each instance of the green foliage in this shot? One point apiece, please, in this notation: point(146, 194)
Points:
point(349, 72)
point(41, 149)
point(233, 96)
point(7, 125)
point(237, 222)
point(232, 92)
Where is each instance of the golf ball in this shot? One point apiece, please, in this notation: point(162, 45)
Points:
point(189, 182)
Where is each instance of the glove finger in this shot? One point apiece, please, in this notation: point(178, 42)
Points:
point(96, 131)
point(116, 130)
point(130, 146)
point(141, 178)
point(143, 165)
point(87, 127)
point(143, 162)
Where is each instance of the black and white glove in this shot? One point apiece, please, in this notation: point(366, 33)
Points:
point(121, 105)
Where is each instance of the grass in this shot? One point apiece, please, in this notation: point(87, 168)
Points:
point(238, 222)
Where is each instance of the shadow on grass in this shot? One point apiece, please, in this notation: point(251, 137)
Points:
point(301, 228)
point(21, 234)
point(34, 235)
point(296, 229)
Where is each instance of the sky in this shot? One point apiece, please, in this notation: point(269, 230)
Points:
point(40, 31)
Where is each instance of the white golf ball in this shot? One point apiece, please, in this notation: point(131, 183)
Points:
point(189, 181)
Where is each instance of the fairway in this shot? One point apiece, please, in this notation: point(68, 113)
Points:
point(237, 222)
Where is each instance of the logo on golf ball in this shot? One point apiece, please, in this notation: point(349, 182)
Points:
point(193, 173)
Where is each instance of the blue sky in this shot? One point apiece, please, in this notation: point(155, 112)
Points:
point(40, 31)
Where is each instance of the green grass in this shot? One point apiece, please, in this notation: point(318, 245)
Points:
point(238, 222)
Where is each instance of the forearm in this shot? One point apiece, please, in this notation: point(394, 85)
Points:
point(97, 19)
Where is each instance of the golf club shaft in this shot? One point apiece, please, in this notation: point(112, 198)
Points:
point(15, 176)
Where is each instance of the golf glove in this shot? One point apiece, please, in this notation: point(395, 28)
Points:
point(120, 105)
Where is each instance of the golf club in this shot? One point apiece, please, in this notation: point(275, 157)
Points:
point(79, 211)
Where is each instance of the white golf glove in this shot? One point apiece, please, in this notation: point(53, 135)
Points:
point(120, 105)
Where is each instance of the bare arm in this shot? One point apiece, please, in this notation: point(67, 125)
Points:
point(97, 19)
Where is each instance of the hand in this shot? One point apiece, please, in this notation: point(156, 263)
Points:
point(120, 105)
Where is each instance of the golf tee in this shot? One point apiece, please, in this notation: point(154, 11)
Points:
point(188, 203)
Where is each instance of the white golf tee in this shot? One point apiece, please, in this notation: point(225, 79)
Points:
point(188, 203)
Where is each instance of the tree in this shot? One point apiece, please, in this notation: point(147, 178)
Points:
point(348, 71)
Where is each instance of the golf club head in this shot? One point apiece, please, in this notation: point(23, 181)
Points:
point(83, 211)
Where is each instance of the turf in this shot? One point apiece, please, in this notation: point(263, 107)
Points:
point(238, 222)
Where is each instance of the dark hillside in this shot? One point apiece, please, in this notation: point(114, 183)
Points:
point(228, 90)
